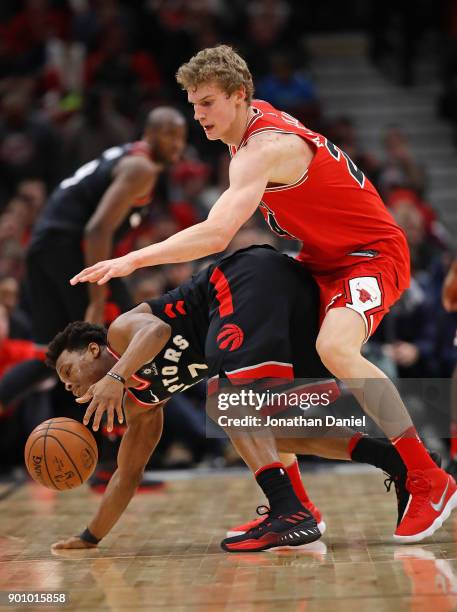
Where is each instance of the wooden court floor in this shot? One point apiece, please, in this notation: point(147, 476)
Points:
point(164, 554)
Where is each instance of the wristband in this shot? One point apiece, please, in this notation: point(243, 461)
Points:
point(118, 377)
point(87, 536)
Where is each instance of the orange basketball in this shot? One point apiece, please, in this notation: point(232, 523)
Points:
point(61, 454)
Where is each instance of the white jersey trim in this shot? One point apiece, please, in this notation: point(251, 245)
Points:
point(258, 365)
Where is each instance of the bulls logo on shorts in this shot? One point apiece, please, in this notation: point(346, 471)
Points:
point(230, 337)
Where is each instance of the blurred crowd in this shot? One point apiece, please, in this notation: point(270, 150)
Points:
point(79, 76)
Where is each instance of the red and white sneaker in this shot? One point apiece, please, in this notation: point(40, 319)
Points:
point(264, 512)
point(433, 496)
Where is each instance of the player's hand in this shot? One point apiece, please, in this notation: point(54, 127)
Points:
point(95, 313)
point(102, 271)
point(106, 396)
point(405, 354)
point(74, 543)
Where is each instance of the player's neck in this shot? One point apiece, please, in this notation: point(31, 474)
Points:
point(235, 135)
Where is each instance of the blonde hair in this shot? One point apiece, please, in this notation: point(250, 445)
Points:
point(219, 64)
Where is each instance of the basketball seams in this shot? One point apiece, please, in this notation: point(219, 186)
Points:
point(95, 454)
point(37, 439)
point(44, 457)
point(65, 451)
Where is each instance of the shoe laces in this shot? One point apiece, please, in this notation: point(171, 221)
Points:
point(392, 480)
point(263, 510)
point(419, 487)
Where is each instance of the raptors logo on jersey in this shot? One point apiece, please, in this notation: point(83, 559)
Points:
point(332, 207)
point(230, 337)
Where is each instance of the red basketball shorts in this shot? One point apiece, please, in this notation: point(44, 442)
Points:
point(369, 288)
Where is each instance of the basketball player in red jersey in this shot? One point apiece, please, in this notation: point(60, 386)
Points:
point(310, 190)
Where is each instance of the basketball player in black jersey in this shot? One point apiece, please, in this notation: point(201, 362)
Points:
point(164, 346)
point(81, 221)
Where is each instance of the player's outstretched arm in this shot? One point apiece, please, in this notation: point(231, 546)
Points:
point(249, 171)
point(138, 443)
point(138, 336)
point(450, 289)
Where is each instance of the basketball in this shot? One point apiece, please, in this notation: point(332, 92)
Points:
point(61, 454)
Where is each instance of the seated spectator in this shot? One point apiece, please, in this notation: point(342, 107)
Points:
point(146, 286)
point(408, 334)
point(19, 323)
point(289, 89)
point(423, 250)
point(29, 144)
point(96, 128)
point(341, 131)
point(33, 191)
point(14, 351)
point(399, 169)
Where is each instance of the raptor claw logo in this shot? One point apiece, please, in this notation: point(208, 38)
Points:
point(231, 336)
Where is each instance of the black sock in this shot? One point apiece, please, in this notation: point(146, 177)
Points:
point(380, 453)
point(275, 483)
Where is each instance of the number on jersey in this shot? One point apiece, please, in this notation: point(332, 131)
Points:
point(90, 168)
point(273, 223)
point(336, 153)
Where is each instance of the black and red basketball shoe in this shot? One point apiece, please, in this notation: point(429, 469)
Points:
point(276, 531)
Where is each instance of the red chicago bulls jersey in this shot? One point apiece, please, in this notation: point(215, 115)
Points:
point(332, 208)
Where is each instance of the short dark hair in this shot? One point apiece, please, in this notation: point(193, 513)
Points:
point(76, 336)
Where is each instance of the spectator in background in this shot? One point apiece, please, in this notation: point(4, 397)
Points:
point(290, 89)
point(435, 231)
point(342, 132)
point(146, 286)
point(423, 251)
point(129, 73)
point(33, 191)
point(27, 32)
point(266, 27)
point(93, 130)
point(399, 169)
point(14, 351)
point(19, 322)
point(408, 334)
point(29, 144)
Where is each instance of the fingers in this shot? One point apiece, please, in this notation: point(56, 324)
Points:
point(105, 278)
point(109, 416)
point(91, 274)
point(89, 412)
point(120, 415)
point(88, 395)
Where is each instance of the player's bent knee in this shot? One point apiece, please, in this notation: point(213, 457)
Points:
point(333, 353)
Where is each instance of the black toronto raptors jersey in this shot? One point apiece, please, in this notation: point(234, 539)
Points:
point(74, 201)
point(181, 363)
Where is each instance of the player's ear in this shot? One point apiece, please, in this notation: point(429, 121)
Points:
point(94, 349)
point(240, 94)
